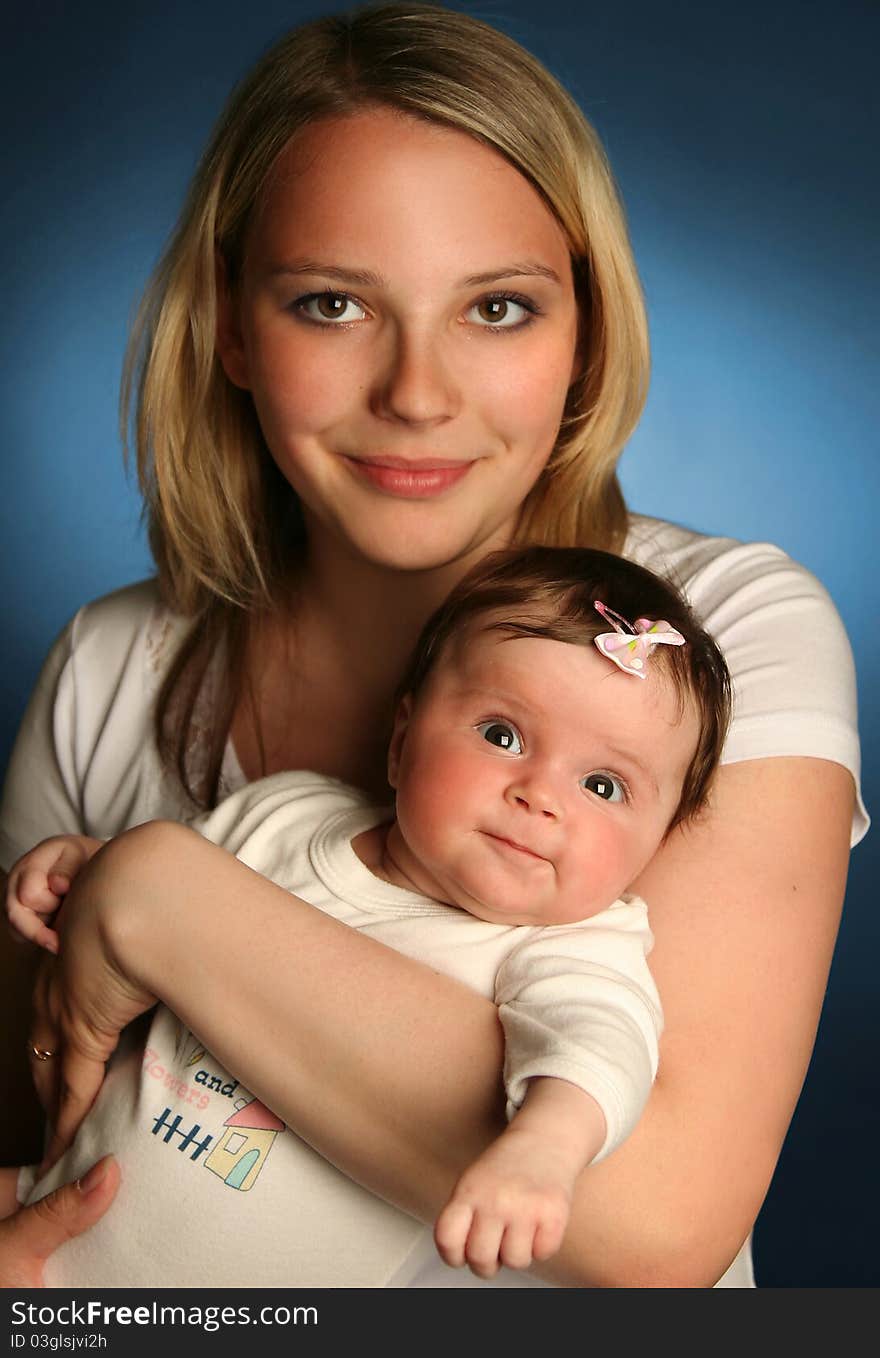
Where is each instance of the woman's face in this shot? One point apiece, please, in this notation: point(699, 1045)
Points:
point(407, 326)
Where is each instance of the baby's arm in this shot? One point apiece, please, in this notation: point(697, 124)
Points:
point(511, 1206)
point(581, 1019)
point(40, 880)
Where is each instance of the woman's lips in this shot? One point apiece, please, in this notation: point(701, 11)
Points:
point(410, 480)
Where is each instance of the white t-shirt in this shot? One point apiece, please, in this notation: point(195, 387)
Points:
point(85, 760)
point(576, 1001)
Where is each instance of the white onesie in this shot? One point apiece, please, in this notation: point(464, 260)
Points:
point(225, 1195)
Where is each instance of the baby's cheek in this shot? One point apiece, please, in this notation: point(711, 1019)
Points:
point(433, 802)
point(602, 869)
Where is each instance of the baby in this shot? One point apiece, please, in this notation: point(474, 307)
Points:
point(542, 749)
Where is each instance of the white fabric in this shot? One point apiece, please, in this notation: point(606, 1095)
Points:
point(85, 760)
point(576, 1002)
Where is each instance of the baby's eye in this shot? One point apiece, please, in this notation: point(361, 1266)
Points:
point(330, 307)
point(501, 312)
point(502, 735)
point(606, 786)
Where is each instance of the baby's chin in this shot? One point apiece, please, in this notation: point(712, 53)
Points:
point(528, 913)
point(522, 913)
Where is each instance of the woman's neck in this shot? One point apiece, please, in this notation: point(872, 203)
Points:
point(369, 616)
point(323, 673)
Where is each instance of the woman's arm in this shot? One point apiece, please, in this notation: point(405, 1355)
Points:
point(379, 1103)
point(745, 910)
point(340, 1035)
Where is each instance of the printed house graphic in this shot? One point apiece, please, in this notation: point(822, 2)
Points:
point(239, 1155)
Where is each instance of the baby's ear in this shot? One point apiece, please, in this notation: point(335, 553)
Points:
point(398, 736)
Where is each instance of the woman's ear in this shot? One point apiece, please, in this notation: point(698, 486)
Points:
point(228, 341)
point(398, 735)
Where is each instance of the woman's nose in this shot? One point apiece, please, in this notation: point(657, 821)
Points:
point(417, 386)
point(536, 795)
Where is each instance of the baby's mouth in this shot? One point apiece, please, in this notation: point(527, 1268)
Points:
point(516, 847)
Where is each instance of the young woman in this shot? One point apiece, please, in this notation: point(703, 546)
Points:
point(399, 325)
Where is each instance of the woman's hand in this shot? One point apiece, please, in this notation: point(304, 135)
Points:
point(83, 1002)
point(43, 1038)
point(31, 1234)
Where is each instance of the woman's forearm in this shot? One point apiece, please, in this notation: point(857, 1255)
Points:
point(392, 1071)
point(745, 907)
point(335, 1032)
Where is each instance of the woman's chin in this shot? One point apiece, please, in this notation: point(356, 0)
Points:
point(412, 553)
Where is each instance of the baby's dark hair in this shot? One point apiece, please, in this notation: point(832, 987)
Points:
point(551, 592)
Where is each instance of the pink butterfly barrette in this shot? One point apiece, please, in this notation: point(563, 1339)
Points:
point(630, 645)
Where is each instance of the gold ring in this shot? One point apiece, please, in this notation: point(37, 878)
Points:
point(41, 1053)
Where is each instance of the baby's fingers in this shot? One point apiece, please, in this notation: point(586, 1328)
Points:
point(483, 1248)
point(73, 854)
point(33, 890)
point(29, 926)
point(451, 1232)
point(549, 1233)
point(518, 1244)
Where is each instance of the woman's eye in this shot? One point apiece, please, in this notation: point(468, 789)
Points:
point(501, 313)
point(606, 786)
point(501, 735)
point(330, 307)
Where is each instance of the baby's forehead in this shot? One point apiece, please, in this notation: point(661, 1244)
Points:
point(487, 653)
point(492, 652)
point(484, 647)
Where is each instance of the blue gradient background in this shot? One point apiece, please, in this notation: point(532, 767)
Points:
point(744, 138)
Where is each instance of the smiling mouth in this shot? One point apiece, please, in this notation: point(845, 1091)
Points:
point(407, 479)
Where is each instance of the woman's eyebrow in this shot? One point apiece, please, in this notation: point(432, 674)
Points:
point(366, 278)
point(523, 269)
point(363, 278)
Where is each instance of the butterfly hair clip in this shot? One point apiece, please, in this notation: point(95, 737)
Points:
point(630, 645)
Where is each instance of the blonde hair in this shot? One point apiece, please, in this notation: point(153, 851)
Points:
point(224, 526)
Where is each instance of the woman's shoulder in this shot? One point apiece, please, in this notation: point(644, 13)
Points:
point(130, 616)
point(730, 582)
point(131, 630)
point(785, 644)
point(691, 558)
point(85, 760)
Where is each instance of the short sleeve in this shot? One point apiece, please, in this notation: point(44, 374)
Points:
point(790, 661)
point(578, 1003)
point(39, 795)
point(85, 759)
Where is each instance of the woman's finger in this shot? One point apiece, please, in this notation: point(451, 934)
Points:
point(29, 1236)
point(44, 1041)
point(80, 1078)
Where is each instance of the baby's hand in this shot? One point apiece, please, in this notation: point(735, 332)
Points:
point(38, 883)
point(511, 1206)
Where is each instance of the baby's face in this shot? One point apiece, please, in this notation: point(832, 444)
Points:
point(534, 779)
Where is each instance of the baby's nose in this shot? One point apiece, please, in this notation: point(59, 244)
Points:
point(537, 796)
